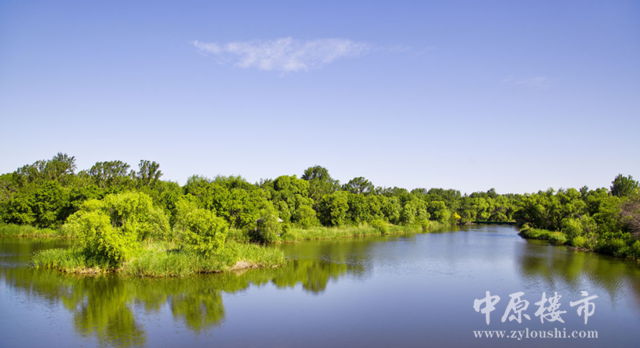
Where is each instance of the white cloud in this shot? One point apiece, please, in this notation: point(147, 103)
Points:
point(284, 54)
point(541, 82)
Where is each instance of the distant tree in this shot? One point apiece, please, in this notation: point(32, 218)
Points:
point(623, 185)
point(149, 173)
point(630, 214)
point(320, 182)
point(108, 173)
point(584, 191)
point(61, 164)
point(359, 185)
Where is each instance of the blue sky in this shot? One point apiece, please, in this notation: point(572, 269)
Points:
point(516, 95)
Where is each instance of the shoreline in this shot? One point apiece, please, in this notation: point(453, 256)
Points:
point(618, 248)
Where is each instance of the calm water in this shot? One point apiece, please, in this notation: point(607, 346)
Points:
point(399, 291)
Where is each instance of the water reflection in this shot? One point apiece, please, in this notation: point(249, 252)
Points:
point(112, 310)
point(104, 306)
point(558, 266)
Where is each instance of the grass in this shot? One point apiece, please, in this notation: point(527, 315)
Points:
point(161, 260)
point(297, 234)
point(553, 237)
point(13, 230)
point(165, 259)
point(615, 244)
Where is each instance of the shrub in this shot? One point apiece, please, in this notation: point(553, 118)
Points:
point(108, 230)
point(579, 242)
point(380, 225)
point(557, 237)
point(305, 217)
point(614, 246)
point(572, 227)
point(205, 232)
point(288, 234)
point(99, 242)
point(269, 228)
point(635, 249)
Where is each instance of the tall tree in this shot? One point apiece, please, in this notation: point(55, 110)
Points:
point(623, 186)
point(359, 185)
point(109, 172)
point(149, 172)
point(320, 182)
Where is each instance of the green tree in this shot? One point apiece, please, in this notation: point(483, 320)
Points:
point(269, 226)
point(204, 231)
point(623, 186)
point(108, 230)
point(320, 182)
point(332, 209)
point(148, 173)
point(109, 173)
point(359, 185)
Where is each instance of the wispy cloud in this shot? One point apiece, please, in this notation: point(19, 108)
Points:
point(540, 82)
point(285, 54)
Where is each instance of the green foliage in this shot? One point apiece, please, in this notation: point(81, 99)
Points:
point(380, 225)
point(13, 230)
point(425, 224)
point(579, 242)
point(320, 182)
point(332, 209)
point(623, 186)
point(99, 241)
point(50, 193)
point(148, 174)
point(305, 216)
point(108, 231)
point(408, 214)
point(554, 237)
point(359, 185)
point(269, 227)
point(439, 212)
point(109, 173)
point(159, 260)
point(204, 232)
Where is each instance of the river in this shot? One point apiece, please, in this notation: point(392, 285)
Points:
point(415, 290)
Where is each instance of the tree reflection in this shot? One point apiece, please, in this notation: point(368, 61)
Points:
point(105, 306)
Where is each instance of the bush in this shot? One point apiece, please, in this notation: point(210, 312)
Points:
point(108, 230)
point(380, 225)
point(614, 246)
point(572, 227)
point(579, 242)
point(557, 237)
point(99, 242)
point(288, 234)
point(269, 228)
point(305, 217)
point(205, 232)
point(635, 250)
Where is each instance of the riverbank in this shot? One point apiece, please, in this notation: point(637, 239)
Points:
point(615, 244)
point(26, 231)
point(164, 260)
point(292, 234)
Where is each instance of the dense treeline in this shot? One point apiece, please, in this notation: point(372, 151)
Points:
point(49, 193)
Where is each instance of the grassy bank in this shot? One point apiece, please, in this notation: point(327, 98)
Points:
point(553, 237)
point(13, 230)
point(616, 244)
point(164, 260)
point(297, 234)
